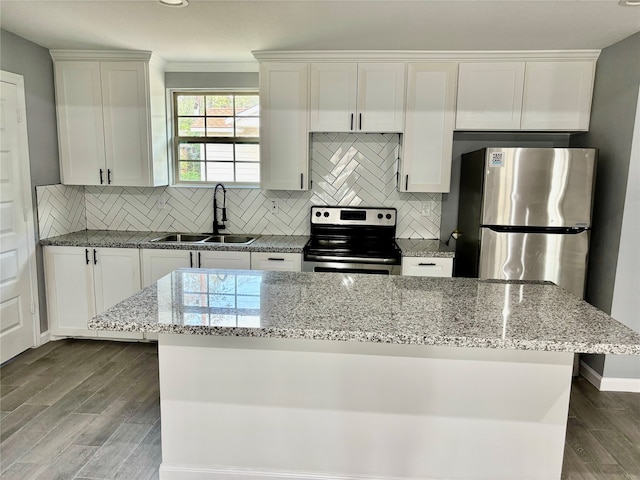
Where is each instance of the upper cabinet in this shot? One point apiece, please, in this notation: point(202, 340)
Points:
point(111, 118)
point(537, 95)
point(357, 97)
point(284, 126)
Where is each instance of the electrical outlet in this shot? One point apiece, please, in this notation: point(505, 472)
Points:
point(162, 202)
point(425, 208)
point(274, 206)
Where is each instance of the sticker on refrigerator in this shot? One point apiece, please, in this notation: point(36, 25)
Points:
point(496, 159)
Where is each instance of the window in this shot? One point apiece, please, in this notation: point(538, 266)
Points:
point(216, 137)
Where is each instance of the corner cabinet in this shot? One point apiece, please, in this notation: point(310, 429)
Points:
point(357, 97)
point(425, 161)
point(284, 133)
point(111, 116)
point(83, 282)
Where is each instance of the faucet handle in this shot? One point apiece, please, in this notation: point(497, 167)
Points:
point(224, 214)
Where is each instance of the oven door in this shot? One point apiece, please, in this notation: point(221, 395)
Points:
point(348, 267)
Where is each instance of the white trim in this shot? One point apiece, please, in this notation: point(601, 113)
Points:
point(187, 472)
point(104, 55)
point(45, 337)
point(609, 384)
point(226, 67)
point(25, 173)
point(424, 55)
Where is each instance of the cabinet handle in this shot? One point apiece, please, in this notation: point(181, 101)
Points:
point(301, 181)
point(351, 127)
point(190, 259)
point(426, 264)
point(86, 255)
point(406, 183)
point(360, 127)
point(275, 259)
point(95, 257)
point(101, 177)
point(199, 259)
point(108, 176)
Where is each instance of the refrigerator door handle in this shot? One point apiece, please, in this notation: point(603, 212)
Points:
point(549, 230)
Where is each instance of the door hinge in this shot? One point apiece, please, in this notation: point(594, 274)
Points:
point(19, 115)
point(33, 307)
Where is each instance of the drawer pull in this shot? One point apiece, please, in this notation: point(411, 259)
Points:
point(426, 264)
point(275, 259)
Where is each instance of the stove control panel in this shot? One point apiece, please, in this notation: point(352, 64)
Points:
point(366, 216)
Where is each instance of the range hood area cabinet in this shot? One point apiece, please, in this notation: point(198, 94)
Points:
point(357, 97)
point(548, 95)
point(111, 116)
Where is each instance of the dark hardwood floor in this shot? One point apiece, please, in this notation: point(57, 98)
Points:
point(84, 409)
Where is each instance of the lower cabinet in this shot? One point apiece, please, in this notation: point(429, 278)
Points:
point(156, 263)
point(427, 267)
point(83, 282)
point(289, 262)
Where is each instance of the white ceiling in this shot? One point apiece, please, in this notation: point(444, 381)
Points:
point(227, 31)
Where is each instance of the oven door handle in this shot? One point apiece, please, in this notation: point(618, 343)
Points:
point(327, 258)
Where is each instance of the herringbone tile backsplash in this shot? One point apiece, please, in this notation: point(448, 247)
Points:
point(346, 169)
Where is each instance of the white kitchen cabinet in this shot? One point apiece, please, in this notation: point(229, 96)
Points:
point(156, 263)
point(111, 118)
point(286, 262)
point(83, 282)
point(356, 97)
point(427, 142)
point(490, 95)
point(557, 95)
point(284, 120)
point(427, 267)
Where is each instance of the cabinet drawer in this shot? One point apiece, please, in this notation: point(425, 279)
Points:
point(290, 262)
point(427, 267)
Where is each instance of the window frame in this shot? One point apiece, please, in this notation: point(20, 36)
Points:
point(175, 139)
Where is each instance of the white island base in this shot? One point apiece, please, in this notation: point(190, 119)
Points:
point(243, 408)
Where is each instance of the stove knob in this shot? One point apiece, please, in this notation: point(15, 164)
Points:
point(380, 216)
point(388, 216)
point(326, 214)
point(318, 214)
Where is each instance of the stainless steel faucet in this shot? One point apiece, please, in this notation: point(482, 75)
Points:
point(219, 226)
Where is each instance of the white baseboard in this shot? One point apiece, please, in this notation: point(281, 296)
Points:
point(187, 472)
point(45, 338)
point(609, 384)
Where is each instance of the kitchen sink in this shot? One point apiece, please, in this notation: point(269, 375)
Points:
point(204, 238)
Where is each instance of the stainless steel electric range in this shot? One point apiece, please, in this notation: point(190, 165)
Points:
point(352, 240)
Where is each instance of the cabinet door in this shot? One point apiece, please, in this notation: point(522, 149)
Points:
point(427, 267)
point(125, 97)
point(490, 96)
point(284, 134)
point(158, 263)
point(218, 259)
point(289, 262)
point(116, 275)
point(69, 287)
point(429, 123)
point(557, 95)
point(80, 122)
point(380, 97)
point(333, 97)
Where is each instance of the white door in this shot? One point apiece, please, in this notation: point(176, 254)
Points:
point(17, 306)
point(233, 260)
point(158, 263)
point(333, 97)
point(116, 274)
point(380, 97)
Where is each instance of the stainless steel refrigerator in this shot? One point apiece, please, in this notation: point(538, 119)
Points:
point(525, 214)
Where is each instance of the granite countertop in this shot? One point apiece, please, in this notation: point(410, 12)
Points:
point(459, 312)
point(125, 239)
point(411, 247)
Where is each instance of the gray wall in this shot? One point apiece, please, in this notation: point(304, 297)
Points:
point(33, 62)
point(615, 99)
point(237, 81)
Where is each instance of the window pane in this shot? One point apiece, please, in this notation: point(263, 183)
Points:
point(248, 172)
point(247, 127)
point(220, 105)
point(220, 127)
point(190, 127)
point(220, 172)
point(191, 151)
point(190, 104)
point(247, 153)
point(191, 171)
point(220, 152)
point(247, 105)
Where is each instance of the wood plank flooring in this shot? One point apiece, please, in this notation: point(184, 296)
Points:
point(85, 409)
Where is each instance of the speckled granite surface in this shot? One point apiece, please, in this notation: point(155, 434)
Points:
point(370, 308)
point(123, 239)
point(417, 247)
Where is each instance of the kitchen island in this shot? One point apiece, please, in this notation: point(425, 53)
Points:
point(318, 376)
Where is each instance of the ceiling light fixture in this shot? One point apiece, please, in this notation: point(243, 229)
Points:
point(174, 3)
point(630, 3)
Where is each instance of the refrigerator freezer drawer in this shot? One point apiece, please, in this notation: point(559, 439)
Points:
point(558, 258)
